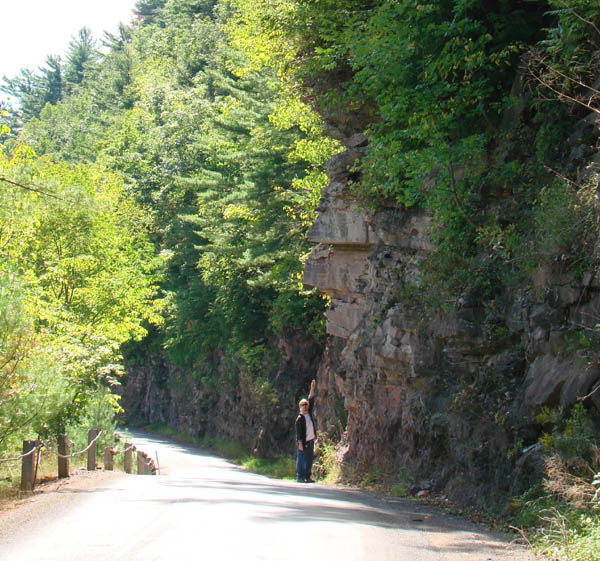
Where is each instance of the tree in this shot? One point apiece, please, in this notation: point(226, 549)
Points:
point(70, 129)
point(32, 91)
point(81, 58)
point(52, 80)
point(78, 278)
point(148, 10)
point(227, 168)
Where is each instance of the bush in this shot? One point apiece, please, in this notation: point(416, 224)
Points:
point(562, 513)
point(283, 467)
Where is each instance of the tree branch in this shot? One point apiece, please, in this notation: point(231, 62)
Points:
point(563, 177)
point(561, 74)
point(34, 189)
point(589, 394)
point(562, 94)
point(578, 16)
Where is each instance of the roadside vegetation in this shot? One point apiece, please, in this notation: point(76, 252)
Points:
point(280, 467)
point(78, 277)
point(561, 515)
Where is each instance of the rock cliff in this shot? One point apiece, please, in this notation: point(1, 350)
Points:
point(441, 396)
point(218, 399)
point(444, 397)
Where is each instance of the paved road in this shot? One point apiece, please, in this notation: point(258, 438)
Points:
point(202, 508)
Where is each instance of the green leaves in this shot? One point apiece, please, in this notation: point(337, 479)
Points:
point(253, 211)
point(432, 79)
point(77, 278)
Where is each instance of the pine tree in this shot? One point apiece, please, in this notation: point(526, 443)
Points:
point(52, 80)
point(81, 57)
point(147, 11)
point(32, 90)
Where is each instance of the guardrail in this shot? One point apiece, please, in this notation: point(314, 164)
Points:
point(30, 458)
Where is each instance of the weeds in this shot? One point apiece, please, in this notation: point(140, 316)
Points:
point(279, 468)
point(326, 466)
point(47, 470)
point(569, 536)
point(177, 435)
point(561, 516)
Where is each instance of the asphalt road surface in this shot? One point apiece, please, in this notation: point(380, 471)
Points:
point(203, 508)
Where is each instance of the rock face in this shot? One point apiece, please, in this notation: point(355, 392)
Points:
point(214, 401)
point(442, 396)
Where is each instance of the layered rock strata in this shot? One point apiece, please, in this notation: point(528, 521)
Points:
point(441, 395)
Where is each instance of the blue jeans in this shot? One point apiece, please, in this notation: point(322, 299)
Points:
point(304, 461)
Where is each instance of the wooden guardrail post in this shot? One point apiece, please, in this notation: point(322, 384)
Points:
point(141, 462)
point(63, 453)
point(109, 453)
point(28, 466)
point(91, 454)
point(128, 457)
point(145, 464)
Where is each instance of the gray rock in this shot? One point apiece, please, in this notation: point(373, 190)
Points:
point(544, 316)
point(552, 380)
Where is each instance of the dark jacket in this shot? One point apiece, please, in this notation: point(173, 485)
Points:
point(301, 422)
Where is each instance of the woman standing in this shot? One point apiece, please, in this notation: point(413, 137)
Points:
point(305, 437)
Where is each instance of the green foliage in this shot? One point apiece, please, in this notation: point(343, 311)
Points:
point(98, 414)
point(230, 449)
point(249, 233)
point(560, 514)
point(565, 220)
point(434, 80)
point(432, 74)
point(81, 57)
point(564, 64)
point(148, 10)
point(230, 168)
point(572, 437)
point(326, 465)
point(560, 533)
point(227, 165)
point(280, 468)
point(33, 91)
point(68, 130)
point(174, 434)
point(77, 279)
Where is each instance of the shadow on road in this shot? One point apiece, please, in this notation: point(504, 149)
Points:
point(292, 502)
point(277, 502)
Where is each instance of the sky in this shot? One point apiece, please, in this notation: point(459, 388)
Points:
point(32, 29)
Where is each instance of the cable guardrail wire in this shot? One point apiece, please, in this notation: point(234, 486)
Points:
point(41, 444)
point(17, 458)
point(132, 448)
point(81, 451)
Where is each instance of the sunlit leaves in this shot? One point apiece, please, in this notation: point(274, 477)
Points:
point(227, 163)
point(78, 278)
